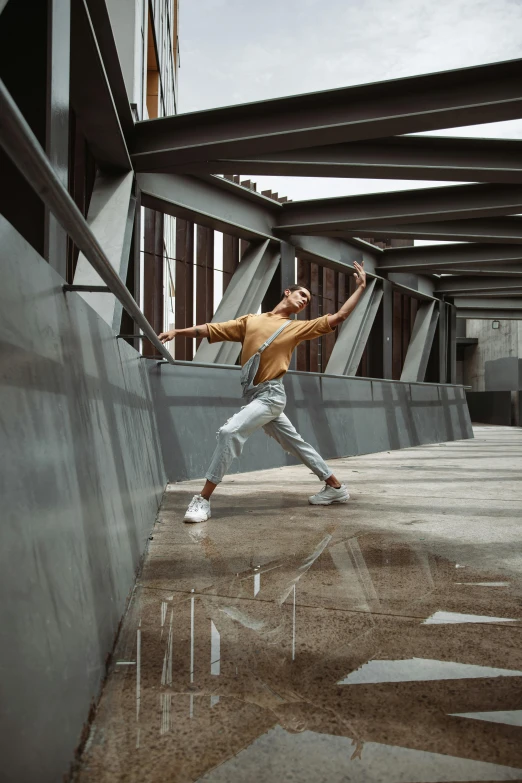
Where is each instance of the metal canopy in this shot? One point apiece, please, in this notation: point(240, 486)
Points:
point(467, 96)
point(349, 132)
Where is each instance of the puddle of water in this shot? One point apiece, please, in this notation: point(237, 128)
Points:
point(258, 681)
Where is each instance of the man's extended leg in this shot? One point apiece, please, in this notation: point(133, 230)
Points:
point(284, 432)
point(231, 438)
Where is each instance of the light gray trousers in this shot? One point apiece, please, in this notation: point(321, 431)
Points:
point(264, 408)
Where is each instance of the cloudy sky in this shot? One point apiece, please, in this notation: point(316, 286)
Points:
point(236, 51)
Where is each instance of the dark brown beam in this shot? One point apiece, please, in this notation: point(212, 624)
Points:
point(184, 285)
point(466, 96)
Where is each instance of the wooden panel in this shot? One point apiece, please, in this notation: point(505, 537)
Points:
point(230, 258)
point(397, 336)
point(314, 313)
point(204, 275)
point(329, 306)
point(184, 285)
point(153, 275)
point(303, 349)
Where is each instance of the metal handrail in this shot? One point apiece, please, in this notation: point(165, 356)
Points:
point(22, 146)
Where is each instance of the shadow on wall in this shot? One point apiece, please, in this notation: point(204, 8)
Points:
point(339, 416)
point(82, 480)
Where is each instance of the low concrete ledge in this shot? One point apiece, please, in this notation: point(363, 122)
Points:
point(340, 416)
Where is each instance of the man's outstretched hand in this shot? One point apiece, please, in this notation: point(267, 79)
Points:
point(360, 275)
point(166, 337)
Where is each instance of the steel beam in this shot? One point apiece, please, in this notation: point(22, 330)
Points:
point(353, 335)
point(104, 36)
point(437, 257)
point(412, 206)
point(482, 284)
point(209, 203)
point(466, 96)
point(473, 302)
point(498, 314)
point(503, 229)
point(91, 95)
point(419, 348)
point(334, 253)
point(400, 157)
point(244, 294)
point(489, 309)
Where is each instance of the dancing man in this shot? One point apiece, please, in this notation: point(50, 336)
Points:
point(268, 341)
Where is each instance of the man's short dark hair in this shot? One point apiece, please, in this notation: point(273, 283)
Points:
point(295, 288)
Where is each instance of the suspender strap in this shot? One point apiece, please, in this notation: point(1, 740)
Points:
point(272, 337)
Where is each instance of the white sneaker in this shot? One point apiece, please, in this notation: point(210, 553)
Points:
point(329, 495)
point(198, 510)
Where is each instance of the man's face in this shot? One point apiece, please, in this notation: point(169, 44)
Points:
point(298, 299)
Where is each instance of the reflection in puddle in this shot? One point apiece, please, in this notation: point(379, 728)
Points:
point(446, 618)
point(484, 584)
point(331, 758)
point(249, 679)
point(509, 717)
point(420, 669)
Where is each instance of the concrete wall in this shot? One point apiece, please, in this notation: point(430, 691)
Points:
point(82, 477)
point(339, 416)
point(492, 344)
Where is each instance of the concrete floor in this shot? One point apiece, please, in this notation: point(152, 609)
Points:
point(379, 640)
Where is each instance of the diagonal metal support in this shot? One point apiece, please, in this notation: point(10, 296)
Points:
point(244, 295)
point(354, 333)
point(421, 341)
point(111, 216)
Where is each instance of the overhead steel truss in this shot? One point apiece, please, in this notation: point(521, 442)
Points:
point(174, 164)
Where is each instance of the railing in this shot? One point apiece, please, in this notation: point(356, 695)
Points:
point(20, 143)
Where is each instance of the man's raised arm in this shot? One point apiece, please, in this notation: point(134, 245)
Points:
point(350, 304)
point(192, 331)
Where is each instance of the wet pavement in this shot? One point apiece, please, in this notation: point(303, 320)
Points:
point(380, 640)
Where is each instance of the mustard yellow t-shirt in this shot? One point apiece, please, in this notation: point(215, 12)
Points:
point(253, 330)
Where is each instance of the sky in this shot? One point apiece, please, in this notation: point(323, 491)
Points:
point(238, 51)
